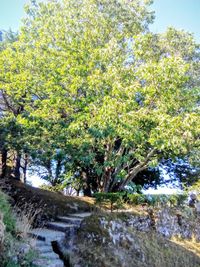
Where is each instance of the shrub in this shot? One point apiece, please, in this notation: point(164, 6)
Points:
point(14, 227)
point(56, 188)
point(157, 200)
point(5, 209)
point(115, 200)
point(137, 199)
point(181, 199)
point(133, 199)
point(152, 200)
point(173, 200)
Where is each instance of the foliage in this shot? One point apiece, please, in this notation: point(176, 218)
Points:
point(12, 257)
point(115, 200)
point(55, 188)
point(151, 177)
point(89, 89)
point(194, 187)
point(136, 199)
point(15, 235)
point(158, 199)
point(182, 171)
point(5, 209)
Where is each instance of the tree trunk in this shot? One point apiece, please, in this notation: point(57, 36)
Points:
point(107, 179)
point(86, 185)
point(17, 166)
point(58, 170)
point(4, 154)
point(87, 191)
point(25, 167)
point(107, 170)
point(138, 168)
point(50, 174)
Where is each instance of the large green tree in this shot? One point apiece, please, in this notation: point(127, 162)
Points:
point(119, 97)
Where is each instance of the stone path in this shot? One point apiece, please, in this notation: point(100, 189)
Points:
point(54, 232)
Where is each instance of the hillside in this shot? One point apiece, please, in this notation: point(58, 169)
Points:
point(49, 204)
point(116, 242)
point(138, 237)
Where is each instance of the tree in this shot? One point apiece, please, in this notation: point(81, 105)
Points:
point(183, 173)
point(125, 97)
point(10, 108)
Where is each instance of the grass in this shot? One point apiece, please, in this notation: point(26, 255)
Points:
point(51, 204)
point(146, 250)
point(24, 219)
point(14, 227)
point(191, 245)
point(133, 248)
point(5, 209)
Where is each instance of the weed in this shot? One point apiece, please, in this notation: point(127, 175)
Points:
point(25, 218)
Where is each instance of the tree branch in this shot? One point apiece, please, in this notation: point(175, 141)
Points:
point(139, 167)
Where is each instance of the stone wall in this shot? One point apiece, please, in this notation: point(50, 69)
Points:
point(128, 240)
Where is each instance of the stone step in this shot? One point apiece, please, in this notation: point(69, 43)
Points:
point(48, 263)
point(44, 249)
point(47, 235)
point(71, 220)
point(80, 215)
point(60, 226)
point(38, 243)
point(34, 241)
point(50, 255)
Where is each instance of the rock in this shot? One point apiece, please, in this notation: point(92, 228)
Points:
point(80, 216)
point(197, 206)
point(47, 263)
point(69, 219)
point(60, 226)
point(58, 234)
point(47, 234)
point(14, 259)
point(192, 200)
point(24, 249)
point(2, 229)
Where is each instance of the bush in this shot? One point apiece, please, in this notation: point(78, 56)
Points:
point(115, 200)
point(5, 209)
point(181, 199)
point(13, 234)
point(51, 188)
point(173, 200)
point(133, 199)
point(157, 200)
point(14, 256)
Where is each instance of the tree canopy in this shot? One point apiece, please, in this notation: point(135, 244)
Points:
point(89, 92)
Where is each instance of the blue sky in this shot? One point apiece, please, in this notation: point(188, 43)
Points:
point(182, 14)
point(11, 12)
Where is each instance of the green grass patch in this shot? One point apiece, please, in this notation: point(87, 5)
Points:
point(5, 209)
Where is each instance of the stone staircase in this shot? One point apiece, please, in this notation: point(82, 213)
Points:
point(45, 239)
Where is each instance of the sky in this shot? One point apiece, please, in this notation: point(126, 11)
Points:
point(182, 14)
